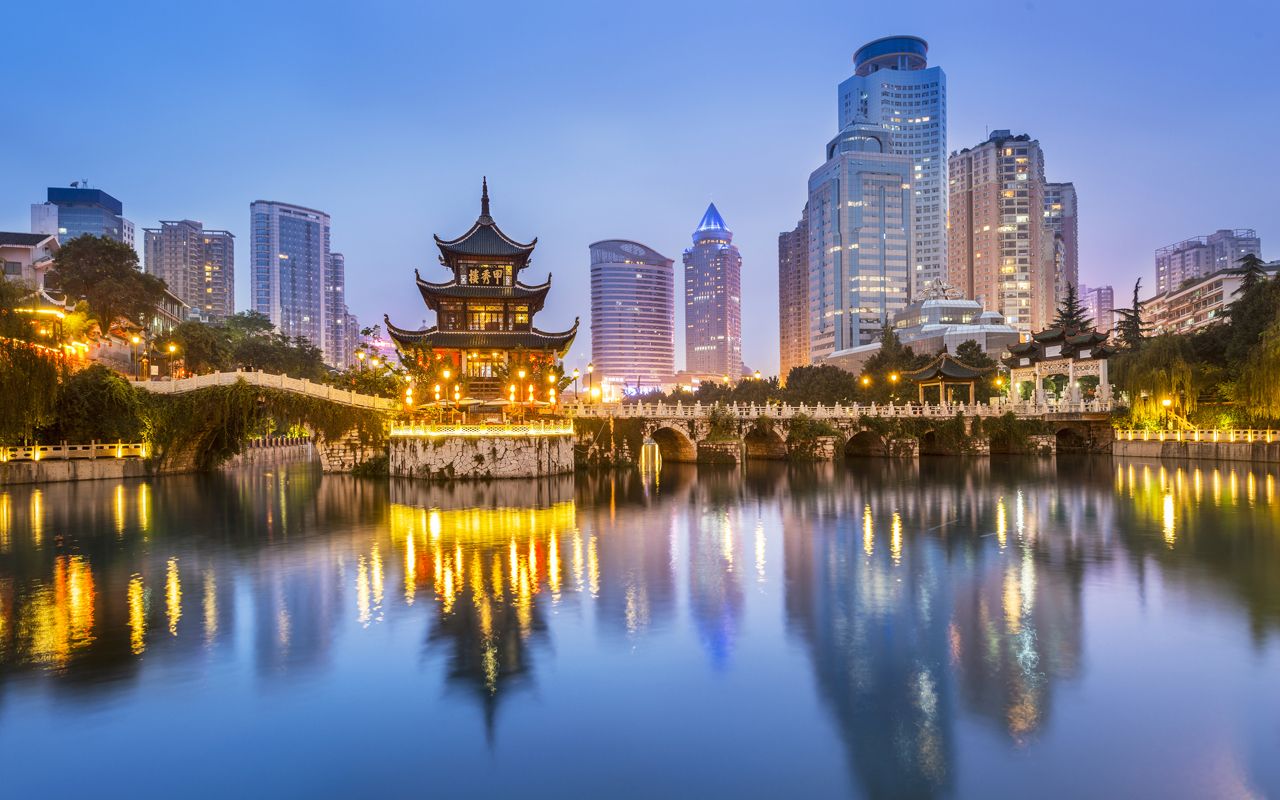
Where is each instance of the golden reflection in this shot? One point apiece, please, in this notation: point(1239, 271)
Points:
point(868, 531)
point(173, 596)
point(144, 507)
point(137, 601)
point(1168, 526)
point(1250, 488)
point(1012, 601)
point(210, 607)
point(410, 570)
point(1197, 484)
point(1232, 485)
point(1019, 513)
point(1271, 488)
point(1216, 484)
point(58, 619)
point(553, 567)
point(37, 517)
point(593, 567)
point(1002, 523)
point(895, 538)
point(119, 507)
point(577, 561)
point(726, 543)
point(375, 577)
point(6, 517)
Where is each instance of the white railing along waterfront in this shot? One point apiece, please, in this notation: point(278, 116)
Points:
point(751, 411)
point(66, 452)
point(267, 380)
point(1198, 435)
point(539, 428)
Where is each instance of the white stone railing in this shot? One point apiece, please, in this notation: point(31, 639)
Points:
point(282, 382)
point(67, 452)
point(750, 411)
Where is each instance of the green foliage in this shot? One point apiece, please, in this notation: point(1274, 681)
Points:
point(377, 467)
point(29, 374)
point(1255, 309)
point(105, 273)
point(245, 341)
point(805, 428)
point(1010, 433)
point(723, 424)
point(95, 404)
point(204, 348)
point(821, 383)
point(1161, 369)
point(1257, 388)
point(892, 360)
point(1071, 314)
point(1133, 328)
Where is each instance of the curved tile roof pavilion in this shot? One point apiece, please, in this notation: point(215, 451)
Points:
point(484, 312)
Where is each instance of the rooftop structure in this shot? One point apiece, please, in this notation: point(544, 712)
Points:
point(484, 313)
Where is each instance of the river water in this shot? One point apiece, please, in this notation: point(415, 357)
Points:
point(956, 628)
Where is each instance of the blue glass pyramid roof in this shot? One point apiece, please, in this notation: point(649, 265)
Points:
point(712, 221)
point(711, 227)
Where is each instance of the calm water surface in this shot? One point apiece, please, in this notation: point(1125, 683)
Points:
point(947, 629)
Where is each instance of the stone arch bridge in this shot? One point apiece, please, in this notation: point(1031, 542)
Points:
point(685, 432)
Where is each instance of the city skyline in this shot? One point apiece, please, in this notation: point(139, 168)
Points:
point(394, 146)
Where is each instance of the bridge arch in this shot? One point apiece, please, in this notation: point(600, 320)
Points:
point(765, 442)
point(1071, 440)
point(865, 443)
point(674, 444)
point(929, 443)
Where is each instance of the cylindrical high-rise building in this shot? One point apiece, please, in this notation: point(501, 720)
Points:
point(632, 314)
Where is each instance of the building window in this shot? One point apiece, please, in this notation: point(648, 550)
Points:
point(13, 269)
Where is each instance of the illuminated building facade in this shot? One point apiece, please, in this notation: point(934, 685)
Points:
point(1061, 220)
point(484, 313)
point(713, 300)
point(197, 265)
point(632, 314)
point(793, 297)
point(1204, 255)
point(1001, 252)
point(78, 210)
point(894, 86)
point(289, 256)
point(859, 239)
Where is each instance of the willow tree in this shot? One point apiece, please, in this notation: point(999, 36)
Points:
point(1162, 369)
point(1257, 387)
point(29, 372)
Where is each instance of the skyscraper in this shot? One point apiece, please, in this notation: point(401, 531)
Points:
point(290, 254)
point(77, 210)
point(713, 300)
point(859, 239)
point(793, 296)
point(1203, 255)
point(1060, 218)
point(894, 86)
point(198, 265)
point(1099, 303)
point(335, 349)
point(1001, 253)
point(632, 314)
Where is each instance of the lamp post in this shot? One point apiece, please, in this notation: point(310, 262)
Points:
point(591, 367)
point(173, 348)
point(757, 375)
point(360, 358)
point(893, 381)
point(576, 398)
point(1166, 403)
point(135, 340)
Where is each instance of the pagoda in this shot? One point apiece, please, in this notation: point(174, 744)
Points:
point(484, 313)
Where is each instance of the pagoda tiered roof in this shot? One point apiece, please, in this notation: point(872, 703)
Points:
point(484, 239)
point(433, 293)
point(1072, 343)
point(434, 338)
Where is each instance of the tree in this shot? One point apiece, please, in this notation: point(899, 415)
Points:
point(105, 273)
point(893, 359)
point(1256, 305)
point(1257, 386)
point(1071, 314)
point(820, 383)
point(204, 348)
point(1162, 369)
point(1132, 328)
point(96, 404)
point(1253, 269)
point(248, 323)
point(971, 353)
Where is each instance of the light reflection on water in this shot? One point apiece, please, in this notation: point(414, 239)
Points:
point(953, 628)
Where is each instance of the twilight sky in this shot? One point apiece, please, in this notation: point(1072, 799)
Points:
point(603, 120)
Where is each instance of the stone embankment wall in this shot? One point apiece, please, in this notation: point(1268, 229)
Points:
point(346, 452)
point(1257, 452)
point(720, 452)
point(454, 457)
point(97, 469)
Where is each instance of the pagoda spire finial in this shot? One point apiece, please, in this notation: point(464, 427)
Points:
point(484, 196)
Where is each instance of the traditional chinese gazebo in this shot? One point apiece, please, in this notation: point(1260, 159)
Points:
point(948, 374)
point(1070, 352)
point(484, 313)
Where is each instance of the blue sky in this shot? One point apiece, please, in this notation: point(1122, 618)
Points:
point(602, 120)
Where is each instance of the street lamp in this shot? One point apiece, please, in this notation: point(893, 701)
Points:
point(576, 399)
point(866, 381)
point(1166, 403)
point(173, 348)
point(757, 374)
point(135, 340)
point(591, 367)
point(360, 357)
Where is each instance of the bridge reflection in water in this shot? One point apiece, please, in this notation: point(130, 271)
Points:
point(914, 609)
